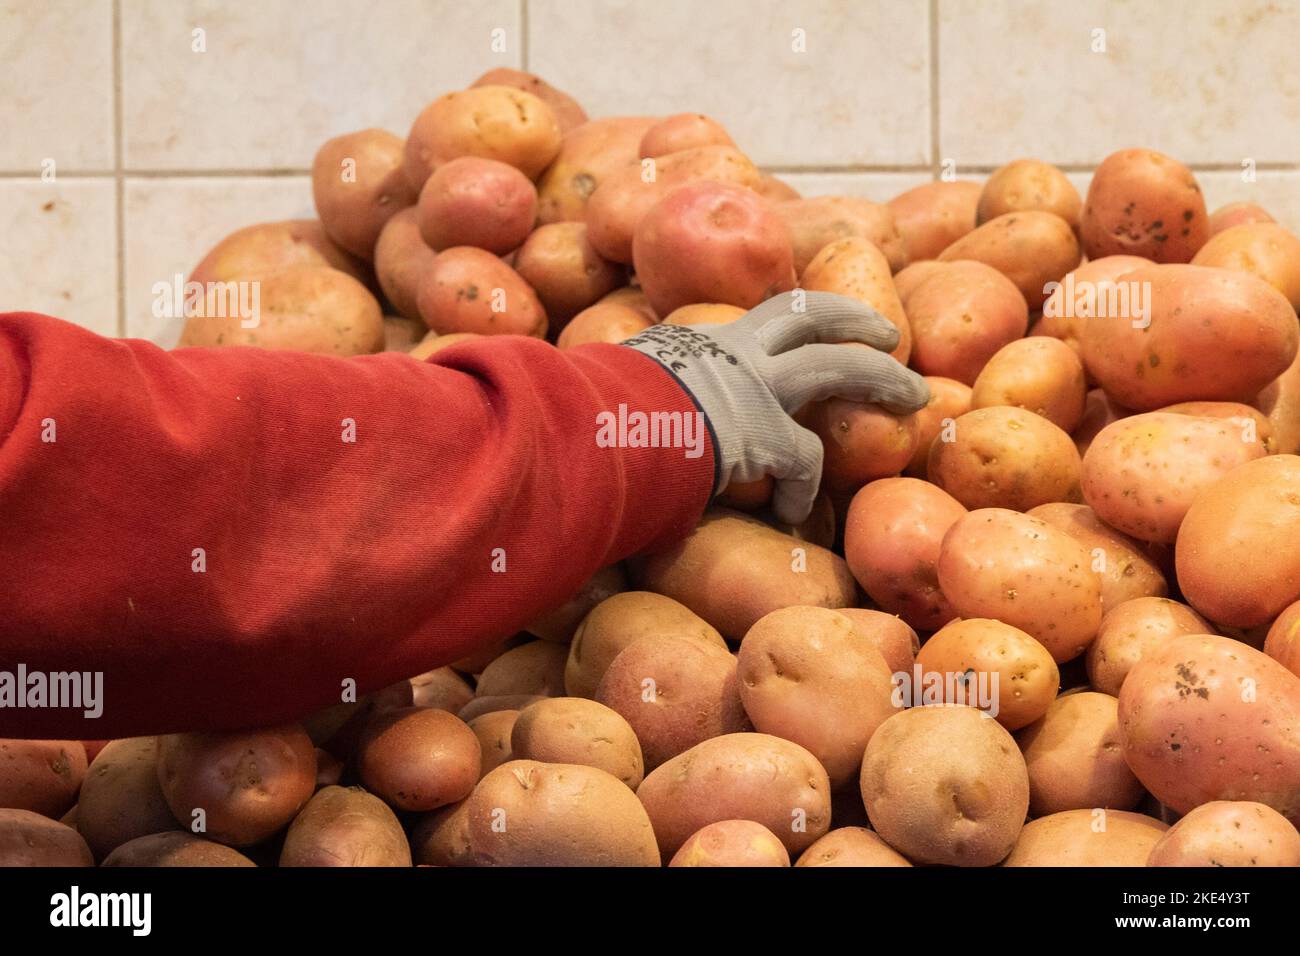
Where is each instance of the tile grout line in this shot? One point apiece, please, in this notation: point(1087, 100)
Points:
point(933, 23)
point(118, 175)
point(523, 35)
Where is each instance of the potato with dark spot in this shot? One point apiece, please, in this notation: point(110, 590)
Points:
point(1093, 837)
point(41, 775)
point(175, 849)
point(575, 730)
point(732, 843)
point(1126, 570)
point(932, 216)
point(470, 290)
point(851, 847)
point(1229, 833)
point(493, 731)
point(357, 183)
point(526, 813)
point(472, 201)
point(533, 668)
point(30, 839)
point(120, 797)
point(1143, 203)
point(1039, 374)
point(418, 758)
point(589, 154)
point(345, 826)
point(1133, 629)
point(1032, 249)
point(945, 785)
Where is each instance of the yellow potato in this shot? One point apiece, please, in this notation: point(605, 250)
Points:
point(1093, 837)
point(1041, 375)
point(1027, 184)
point(1032, 249)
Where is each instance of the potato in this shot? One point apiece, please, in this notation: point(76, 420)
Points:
point(860, 442)
point(568, 112)
point(401, 258)
point(1092, 837)
point(1142, 473)
point(588, 155)
point(120, 798)
point(1125, 569)
point(472, 201)
point(1142, 203)
point(402, 334)
point(1041, 375)
point(567, 274)
point(561, 623)
point(1032, 249)
point(672, 134)
point(1280, 403)
point(1238, 550)
point(908, 279)
point(476, 662)
point(1098, 412)
point(674, 693)
point(526, 813)
point(815, 223)
point(732, 843)
point(857, 269)
point(442, 688)
point(733, 569)
point(949, 399)
point(418, 758)
point(30, 839)
point(603, 322)
point(1205, 718)
point(1283, 640)
point(1029, 184)
point(945, 785)
point(775, 190)
point(358, 184)
point(488, 705)
point(1024, 572)
point(175, 848)
point(628, 193)
point(807, 675)
point(748, 495)
point(891, 542)
point(1088, 290)
point(304, 308)
point(711, 242)
point(1261, 249)
point(618, 621)
point(1253, 424)
point(819, 528)
point(329, 769)
point(1075, 758)
point(1132, 630)
point(345, 827)
point(41, 775)
point(739, 777)
point(471, 290)
point(441, 838)
point(494, 122)
point(960, 316)
point(573, 730)
point(888, 634)
point(272, 246)
point(533, 668)
point(493, 731)
point(1229, 833)
point(1005, 457)
point(1236, 214)
point(704, 313)
point(933, 216)
point(851, 846)
point(339, 728)
point(1003, 671)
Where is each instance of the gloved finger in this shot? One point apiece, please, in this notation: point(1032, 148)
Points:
point(798, 478)
point(816, 372)
point(827, 318)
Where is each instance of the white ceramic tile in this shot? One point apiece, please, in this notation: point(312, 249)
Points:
point(58, 250)
point(880, 187)
point(859, 95)
point(56, 85)
point(279, 77)
point(1278, 192)
point(1202, 80)
point(172, 223)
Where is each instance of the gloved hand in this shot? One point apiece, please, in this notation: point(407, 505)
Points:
point(750, 376)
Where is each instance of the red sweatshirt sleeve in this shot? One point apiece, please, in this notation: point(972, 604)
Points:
point(194, 525)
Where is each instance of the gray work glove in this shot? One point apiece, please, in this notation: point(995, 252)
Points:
point(750, 376)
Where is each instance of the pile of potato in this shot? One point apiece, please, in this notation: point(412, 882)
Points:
point(1096, 520)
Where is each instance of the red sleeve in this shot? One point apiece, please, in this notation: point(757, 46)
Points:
point(324, 559)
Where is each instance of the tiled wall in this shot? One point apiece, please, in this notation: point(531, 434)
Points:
point(158, 149)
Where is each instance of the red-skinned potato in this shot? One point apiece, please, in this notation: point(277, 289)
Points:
point(672, 134)
point(418, 758)
point(1090, 289)
point(175, 848)
point(932, 216)
point(471, 290)
point(401, 258)
point(589, 154)
point(1283, 640)
point(945, 786)
point(493, 731)
point(1032, 249)
point(888, 633)
point(1092, 837)
point(961, 315)
point(1261, 249)
point(856, 268)
point(892, 536)
point(41, 775)
point(949, 399)
point(732, 843)
point(568, 112)
point(860, 442)
point(1004, 457)
point(1206, 334)
point(1253, 424)
point(1236, 214)
point(30, 839)
point(345, 827)
point(851, 846)
point(711, 242)
point(120, 798)
point(564, 270)
point(1075, 758)
point(1205, 717)
point(272, 246)
point(1126, 570)
point(526, 813)
point(248, 784)
point(743, 776)
point(1020, 570)
point(1238, 549)
point(1027, 184)
point(807, 675)
point(1132, 630)
point(472, 201)
point(815, 223)
point(1041, 375)
point(1143, 203)
point(908, 279)
point(578, 731)
point(1229, 833)
point(358, 183)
